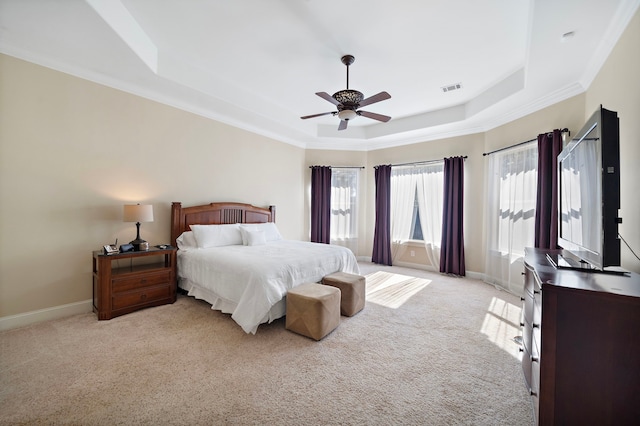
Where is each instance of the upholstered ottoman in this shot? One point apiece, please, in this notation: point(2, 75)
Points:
point(313, 310)
point(352, 288)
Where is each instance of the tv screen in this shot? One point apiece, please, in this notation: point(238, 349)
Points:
point(589, 192)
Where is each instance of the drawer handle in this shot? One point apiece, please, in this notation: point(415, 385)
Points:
point(521, 324)
point(532, 393)
point(534, 358)
point(522, 299)
point(536, 291)
point(534, 325)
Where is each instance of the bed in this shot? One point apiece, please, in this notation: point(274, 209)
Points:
point(232, 256)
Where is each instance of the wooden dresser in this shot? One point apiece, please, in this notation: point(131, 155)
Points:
point(126, 282)
point(581, 344)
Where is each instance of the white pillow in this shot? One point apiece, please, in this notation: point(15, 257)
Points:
point(256, 238)
point(217, 235)
point(270, 229)
point(187, 241)
point(244, 230)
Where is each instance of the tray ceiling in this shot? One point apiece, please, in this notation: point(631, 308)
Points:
point(256, 64)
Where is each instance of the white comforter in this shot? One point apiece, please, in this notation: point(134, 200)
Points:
point(247, 281)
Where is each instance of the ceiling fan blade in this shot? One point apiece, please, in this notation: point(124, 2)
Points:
point(328, 97)
point(343, 124)
point(379, 117)
point(375, 98)
point(317, 115)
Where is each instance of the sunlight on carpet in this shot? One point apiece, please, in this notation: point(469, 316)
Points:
point(392, 290)
point(501, 324)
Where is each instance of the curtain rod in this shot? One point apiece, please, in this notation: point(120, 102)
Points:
point(420, 162)
point(522, 143)
point(340, 167)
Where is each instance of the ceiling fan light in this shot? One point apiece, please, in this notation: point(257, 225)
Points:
point(347, 114)
point(348, 97)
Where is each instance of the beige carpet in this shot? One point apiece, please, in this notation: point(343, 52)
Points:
point(427, 349)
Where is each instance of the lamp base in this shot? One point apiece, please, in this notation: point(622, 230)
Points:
point(139, 244)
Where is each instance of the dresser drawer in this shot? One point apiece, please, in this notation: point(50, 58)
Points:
point(537, 307)
point(528, 308)
point(529, 335)
point(534, 390)
point(526, 367)
point(142, 296)
point(531, 369)
point(123, 284)
point(529, 278)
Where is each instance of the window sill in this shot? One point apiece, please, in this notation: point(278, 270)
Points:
point(411, 243)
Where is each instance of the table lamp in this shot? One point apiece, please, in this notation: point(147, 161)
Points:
point(138, 213)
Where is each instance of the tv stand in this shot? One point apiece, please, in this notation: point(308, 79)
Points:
point(580, 343)
point(564, 261)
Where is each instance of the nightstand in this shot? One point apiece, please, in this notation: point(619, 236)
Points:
point(126, 282)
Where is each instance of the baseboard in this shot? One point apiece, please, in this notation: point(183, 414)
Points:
point(469, 274)
point(475, 275)
point(415, 266)
point(28, 318)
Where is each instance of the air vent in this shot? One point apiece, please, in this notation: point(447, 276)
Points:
point(451, 87)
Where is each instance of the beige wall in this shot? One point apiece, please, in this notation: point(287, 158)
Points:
point(73, 152)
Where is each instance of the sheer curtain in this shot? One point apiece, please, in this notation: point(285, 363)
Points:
point(510, 214)
point(403, 194)
point(430, 198)
point(423, 183)
point(344, 207)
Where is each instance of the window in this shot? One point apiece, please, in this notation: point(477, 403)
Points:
point(510, 213)
point(344, 207)
point(416, 227)
point(417, 194)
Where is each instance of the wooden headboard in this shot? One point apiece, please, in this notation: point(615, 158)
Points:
point(216, 214)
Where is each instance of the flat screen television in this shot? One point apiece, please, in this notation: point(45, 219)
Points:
point(589, 192)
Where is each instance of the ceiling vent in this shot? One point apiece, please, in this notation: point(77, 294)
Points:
point(451, 87)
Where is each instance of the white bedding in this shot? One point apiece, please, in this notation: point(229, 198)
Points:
point(250, 282)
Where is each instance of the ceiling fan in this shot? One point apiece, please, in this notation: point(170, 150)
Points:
point(349, 101)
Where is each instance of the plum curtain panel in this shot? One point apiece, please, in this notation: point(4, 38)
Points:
point(546, 220)
point(382, 232)
point(321, 204)
point(452, 247)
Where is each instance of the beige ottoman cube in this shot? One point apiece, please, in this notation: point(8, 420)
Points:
point(313, 310)
point(352, 288)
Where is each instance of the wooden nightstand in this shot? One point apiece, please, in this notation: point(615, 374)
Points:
point(126, 282)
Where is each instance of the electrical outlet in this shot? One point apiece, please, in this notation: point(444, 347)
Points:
point(412, 253)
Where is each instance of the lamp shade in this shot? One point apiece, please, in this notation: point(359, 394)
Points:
point(137, 213)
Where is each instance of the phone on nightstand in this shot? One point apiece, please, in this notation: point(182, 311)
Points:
point(111, 248)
